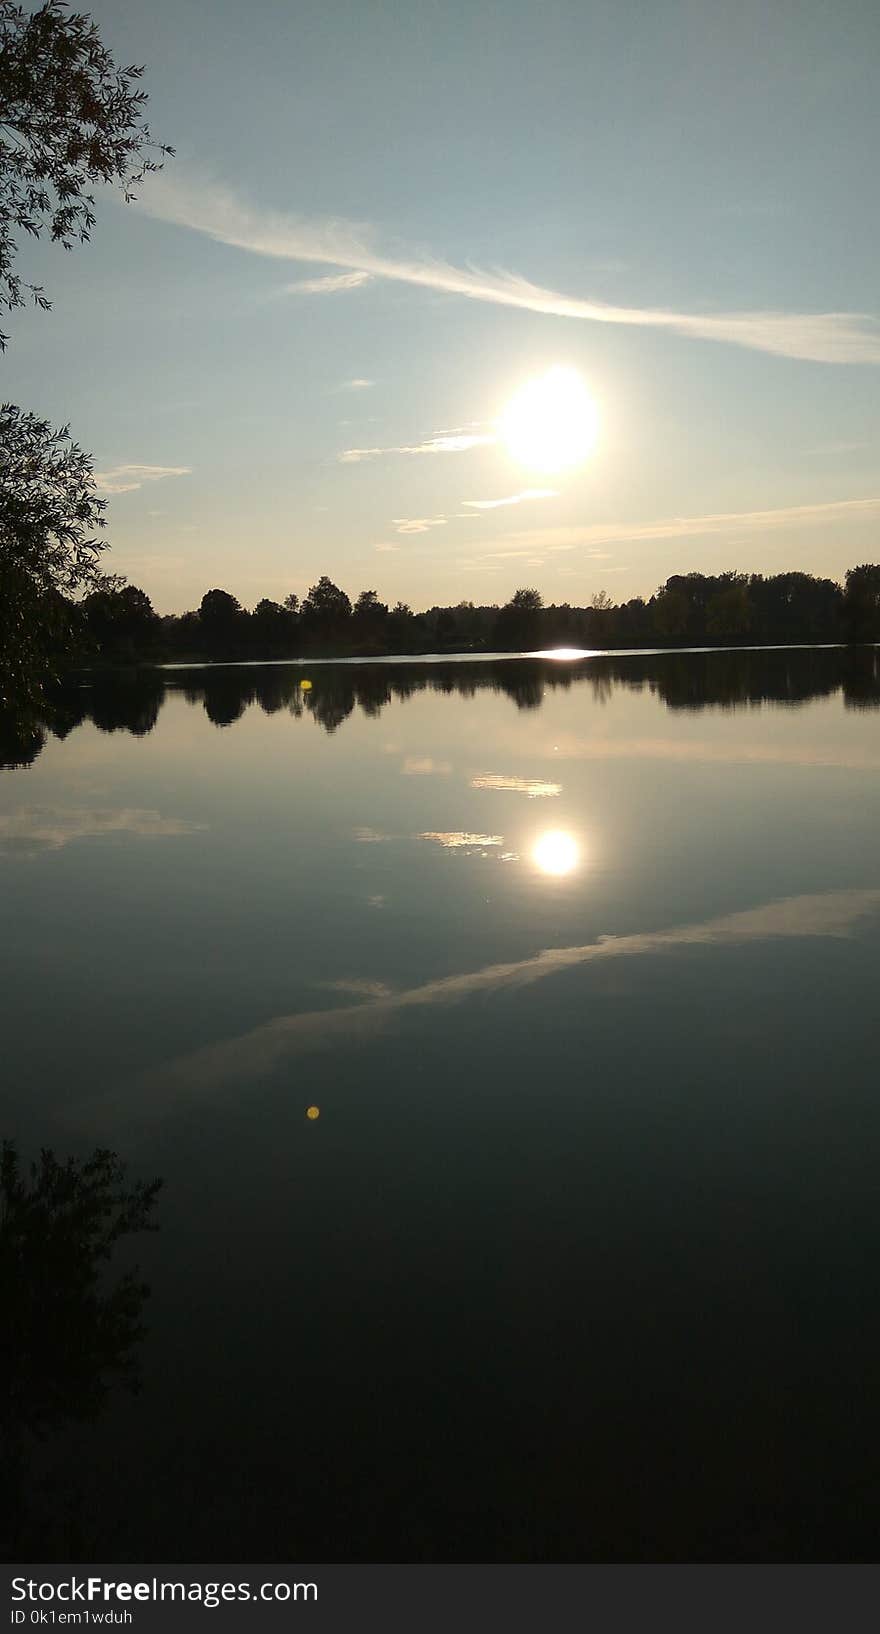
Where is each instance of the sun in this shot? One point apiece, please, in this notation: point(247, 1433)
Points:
point(551, 423)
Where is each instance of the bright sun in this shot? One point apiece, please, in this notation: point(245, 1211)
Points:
point(550, 423)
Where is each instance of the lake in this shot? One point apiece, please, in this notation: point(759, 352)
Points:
point(576, 962)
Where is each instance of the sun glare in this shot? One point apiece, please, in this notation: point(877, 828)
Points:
point(551, 423)
point(557, 852)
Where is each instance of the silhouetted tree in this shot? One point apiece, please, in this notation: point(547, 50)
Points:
point(728, 611)
point(181, 637)
point(221, 619)
point(794, 607)
point(861, 603)
point(273, 629)
point(69, 118)
point(325, 613)
point(600, 620)
point(49, 511)
point(518, 622)
point(22, 737)
point(446, 627)
point(119, 621)
point(400, 626)
point(368, 620)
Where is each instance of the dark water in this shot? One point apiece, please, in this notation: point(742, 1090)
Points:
point(578, 962)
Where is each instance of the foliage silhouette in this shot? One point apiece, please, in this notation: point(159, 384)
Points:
point(518, 623)
point(49, 511)
point(118, 624)
point(69, 119)
point(861, 603)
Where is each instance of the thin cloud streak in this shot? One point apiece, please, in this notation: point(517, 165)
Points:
point(684, 527)
point(418, 524)
point(511, 499)
point(444, 443)
point(125, 479)
point(819, 337)
point(333, 284)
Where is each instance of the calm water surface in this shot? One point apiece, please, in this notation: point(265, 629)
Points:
point(578, 962)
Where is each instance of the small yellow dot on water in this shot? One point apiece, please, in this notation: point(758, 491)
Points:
point(313, 1112)
point(305, 686)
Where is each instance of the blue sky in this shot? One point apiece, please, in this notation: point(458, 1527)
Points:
point(290, 356)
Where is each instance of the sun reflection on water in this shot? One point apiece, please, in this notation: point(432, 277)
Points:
point(556, 853)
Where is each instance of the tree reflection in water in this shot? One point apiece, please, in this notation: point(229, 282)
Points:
point(692, 681)
point(70, 1328)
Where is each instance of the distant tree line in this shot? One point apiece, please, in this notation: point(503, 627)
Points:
point(117, 622)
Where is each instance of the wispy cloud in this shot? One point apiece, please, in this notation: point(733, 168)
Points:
point(835, 914)
point(50, 828)
point(534, 787)
point(512, 499)
point(821, 337)
point(124, 479)
point(357, 384)
point(683, 527)
point(457, 442)
point(418, 524)
point(386, 547)
point(424, 766)
point(332, 284)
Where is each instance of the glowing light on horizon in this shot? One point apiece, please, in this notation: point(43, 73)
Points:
point(551, 423)
point(557, 853)
point(566, 652)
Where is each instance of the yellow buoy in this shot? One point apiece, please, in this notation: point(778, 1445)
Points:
point(305, 686)
point(313, 1112)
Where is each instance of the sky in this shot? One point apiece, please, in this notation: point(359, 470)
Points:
point(292, 356)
